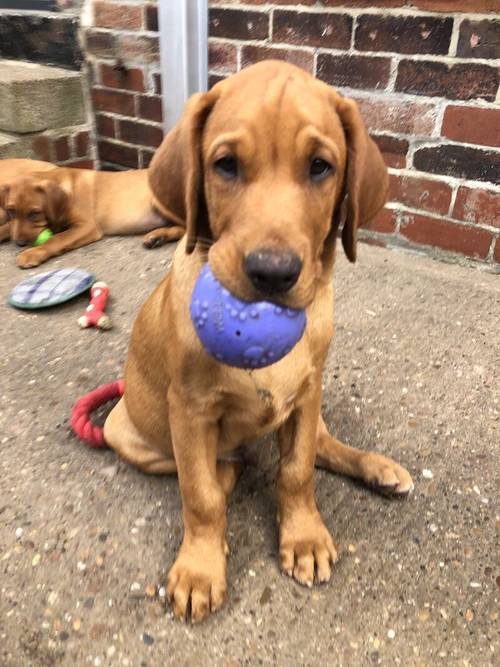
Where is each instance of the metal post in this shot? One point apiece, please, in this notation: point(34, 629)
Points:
point(183, 52)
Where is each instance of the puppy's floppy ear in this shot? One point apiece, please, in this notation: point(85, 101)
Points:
point(175, 172)
point(56, 203)
point(366, 181)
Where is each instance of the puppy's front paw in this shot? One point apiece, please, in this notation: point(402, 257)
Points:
point(154, 239)
point(197, 579)
point(31, 257)
point(306, 548)
point(385, 474)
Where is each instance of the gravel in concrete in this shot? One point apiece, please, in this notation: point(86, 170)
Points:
point(86, 540)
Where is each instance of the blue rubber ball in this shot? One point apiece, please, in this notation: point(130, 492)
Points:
point(241, 333)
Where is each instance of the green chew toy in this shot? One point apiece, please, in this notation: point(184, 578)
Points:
point(44, 236)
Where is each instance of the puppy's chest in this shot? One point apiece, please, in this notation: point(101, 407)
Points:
point(258, 403)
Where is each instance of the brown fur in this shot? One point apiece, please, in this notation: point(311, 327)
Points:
point(79, 205)
point(182, 410)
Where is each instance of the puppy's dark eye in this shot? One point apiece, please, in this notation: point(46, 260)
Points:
point(33, 216)
point(320, 169)
point(227, 167)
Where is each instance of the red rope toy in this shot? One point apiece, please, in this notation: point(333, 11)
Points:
point(81, 423)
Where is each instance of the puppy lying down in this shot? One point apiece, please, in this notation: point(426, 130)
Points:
point(79, 206)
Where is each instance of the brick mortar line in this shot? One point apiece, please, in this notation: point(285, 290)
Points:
point(438, 123)
point(147, 93)
point(136, 106)
point(455, 181)
point(420, 57)
point(353, 34)
point(404, 208)
point(139, 32)
point(489, 256)
point(393, 74)
point(102, 136)
point(142, 121)
point(399, 96)
point(453, 199)
point(87, 88)
point(394, 241)
point(238, 58)
point(356, 11)
point(122, 142)
point(427, 142)
point(455, 33)
point(261, 42)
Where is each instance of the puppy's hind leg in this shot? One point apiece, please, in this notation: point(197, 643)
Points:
point(121, 434)
point(376, 470)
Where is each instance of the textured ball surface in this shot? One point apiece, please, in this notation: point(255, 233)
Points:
point(242, 333)
point(44, 236)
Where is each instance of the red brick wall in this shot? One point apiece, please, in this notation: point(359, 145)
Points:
point(426, 75)
point(71, 147)
point(122, 52)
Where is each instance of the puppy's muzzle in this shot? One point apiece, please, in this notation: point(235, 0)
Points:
point(273, 271)
point(21, 242)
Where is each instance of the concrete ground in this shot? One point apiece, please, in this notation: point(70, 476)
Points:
point(86, 540)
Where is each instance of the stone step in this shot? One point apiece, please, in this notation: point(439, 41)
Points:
point(34, 97)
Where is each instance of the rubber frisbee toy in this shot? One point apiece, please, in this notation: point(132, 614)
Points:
point(242, 333)
point(50, 288)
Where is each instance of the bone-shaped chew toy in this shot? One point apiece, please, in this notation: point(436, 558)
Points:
point(94, 313)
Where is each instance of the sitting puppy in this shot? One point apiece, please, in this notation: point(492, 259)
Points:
point(78, 205)
point(268, 165)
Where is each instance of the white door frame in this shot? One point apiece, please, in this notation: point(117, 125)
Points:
point(183, 53)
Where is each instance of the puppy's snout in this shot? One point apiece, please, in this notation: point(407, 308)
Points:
point(273, 271)
point(21, 242)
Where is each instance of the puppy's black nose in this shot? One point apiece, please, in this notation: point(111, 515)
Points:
point(21, 242)
point(273, 271)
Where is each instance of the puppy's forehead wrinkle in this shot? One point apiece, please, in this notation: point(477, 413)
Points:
point(274, 95)
point(278, 109)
